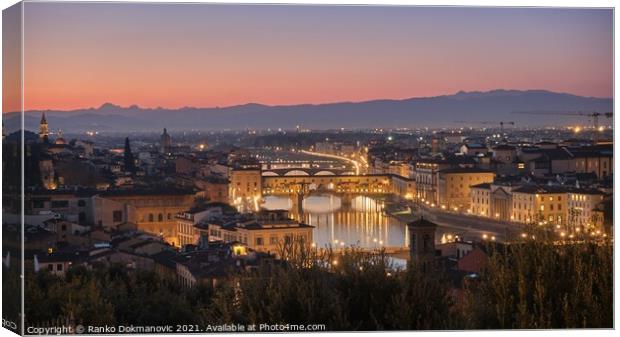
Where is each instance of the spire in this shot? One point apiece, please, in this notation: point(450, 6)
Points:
point(43, 128)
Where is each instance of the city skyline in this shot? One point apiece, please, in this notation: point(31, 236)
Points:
point(194, 168)
point(183, 57)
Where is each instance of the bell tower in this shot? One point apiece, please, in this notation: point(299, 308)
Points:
point(422, 242)
point(166, 142)
point(43, 129)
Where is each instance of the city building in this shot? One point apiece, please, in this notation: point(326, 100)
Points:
point(596, 159)
point(474, 149)
point(187, 234)
point(426, 179)
point(480, 203)
point(214, 188)
point(454, 185)
point(583, 211)
point(269, 232)
point(536, 204)
point(152, 210)
point(246, 186)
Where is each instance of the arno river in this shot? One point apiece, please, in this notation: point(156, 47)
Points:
point(361, 222)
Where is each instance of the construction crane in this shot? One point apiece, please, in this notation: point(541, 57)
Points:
point(594, 115)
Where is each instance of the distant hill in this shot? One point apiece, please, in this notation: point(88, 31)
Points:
point(446, 110)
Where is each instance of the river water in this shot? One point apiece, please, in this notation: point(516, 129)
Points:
point(360, 222)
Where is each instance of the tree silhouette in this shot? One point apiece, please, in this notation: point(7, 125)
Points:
point(130, 165)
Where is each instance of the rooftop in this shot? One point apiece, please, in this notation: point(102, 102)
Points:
point(422, 223)
point(465, 170)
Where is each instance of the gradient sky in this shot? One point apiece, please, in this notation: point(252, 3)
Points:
point(174, 55)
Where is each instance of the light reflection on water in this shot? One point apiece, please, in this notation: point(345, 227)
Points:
point(359, 222)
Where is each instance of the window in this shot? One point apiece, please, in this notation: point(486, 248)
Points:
point(81, 203)
point(59, 266)
point(160, 217)
point(273, 240)
point(63, 227)
point(426, 243)
point(259, 241)
point(151, 218)
point(60, 203)
point(117, 216)
point(81, 217)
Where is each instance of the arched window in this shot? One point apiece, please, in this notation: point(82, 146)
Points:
point(150, 217)
point(160, 217)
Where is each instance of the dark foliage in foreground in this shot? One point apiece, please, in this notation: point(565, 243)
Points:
point(533, 284)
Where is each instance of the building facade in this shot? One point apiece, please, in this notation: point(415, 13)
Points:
point(536, 204)
point(455, 186)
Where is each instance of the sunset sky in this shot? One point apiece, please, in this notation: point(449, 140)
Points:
point(175, 55)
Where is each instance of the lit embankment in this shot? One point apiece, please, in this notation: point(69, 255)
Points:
point(333, 156)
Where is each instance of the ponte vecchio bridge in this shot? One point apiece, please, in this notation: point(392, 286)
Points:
point(306, 181)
